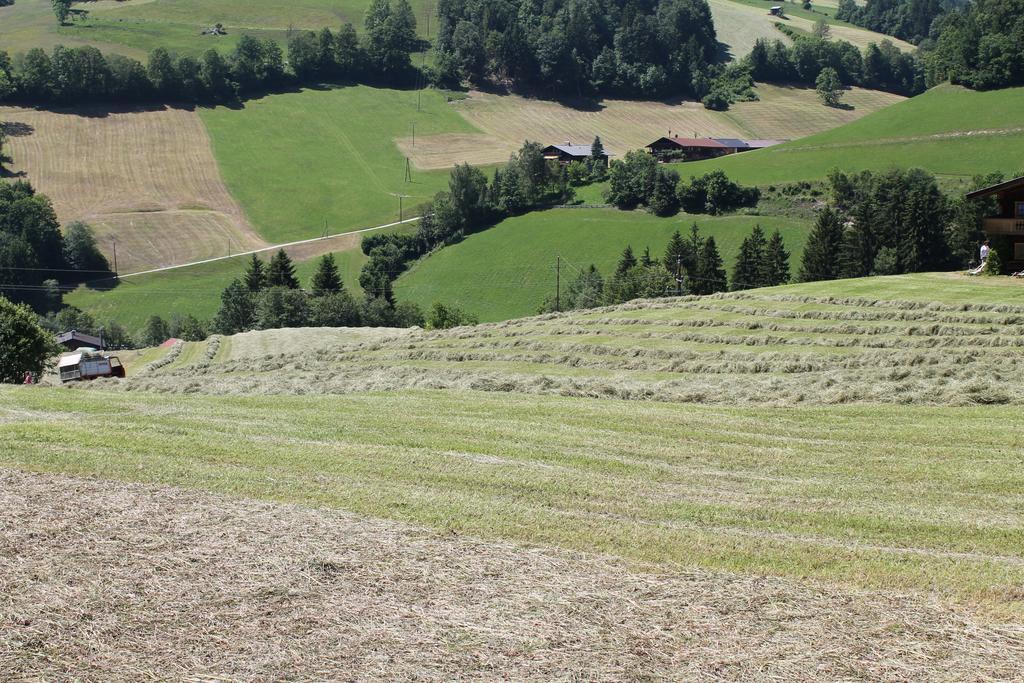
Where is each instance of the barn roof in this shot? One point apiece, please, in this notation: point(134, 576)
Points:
point(573, 150)
point(761, 144)
point(75, 335)
point(693, 142)
point(1016, 183)
point(733, 142)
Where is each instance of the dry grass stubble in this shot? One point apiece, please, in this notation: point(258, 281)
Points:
point(147, 177)
point(104, 581)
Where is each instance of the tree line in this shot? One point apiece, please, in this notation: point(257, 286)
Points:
point(881, 66)
point(73, 75)
point(690, 265)
point(269, 296)
point(37, 261)
point(910, 20)
point(639, 180)
point(891, 223)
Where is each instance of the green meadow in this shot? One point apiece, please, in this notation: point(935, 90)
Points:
point(297, 160)
point(136, 27)
point(951, 131)
point(508, 270)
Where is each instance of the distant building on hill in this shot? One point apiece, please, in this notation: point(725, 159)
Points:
point(568, 153)
point(1005, 229)
point(695, 149)
point(74, 340)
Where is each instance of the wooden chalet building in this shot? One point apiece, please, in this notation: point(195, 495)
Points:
point(568, 153)
point(688, 149)
point(695, 149)
point(1005, 229)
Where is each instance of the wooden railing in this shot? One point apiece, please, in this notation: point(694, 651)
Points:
point(1004, 226)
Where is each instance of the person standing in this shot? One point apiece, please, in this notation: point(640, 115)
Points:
point(985, 249)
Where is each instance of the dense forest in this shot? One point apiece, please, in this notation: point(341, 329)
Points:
point(981, 46)
point(622, 47)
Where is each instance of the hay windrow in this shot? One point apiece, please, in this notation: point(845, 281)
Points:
point(739, 348)
point(107, 581)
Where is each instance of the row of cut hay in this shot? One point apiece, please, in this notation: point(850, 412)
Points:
point(623, 327)
point(862, 315)
point(825, 388)
point(170, 357)
point(810, 339)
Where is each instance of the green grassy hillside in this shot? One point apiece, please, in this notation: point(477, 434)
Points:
point(299, 159)
point(950, 131)
point(135, 27)
point(507, 271)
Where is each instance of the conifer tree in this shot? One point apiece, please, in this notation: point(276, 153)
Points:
point(281, 272)
point(587, 290)
point(710, 276)
point(678, 253)
point(627, 262)
point(856, 251)
point(237, 310)
point(255, 278)
point(646, 261)
point(597, 149)
point(776, 261)
point(696, 245)
point(821, 253)
point(326, 280)
point(751, 263)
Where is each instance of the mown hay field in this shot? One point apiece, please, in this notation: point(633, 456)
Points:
point(897, 498)
point(739, 23)
point(146, 179)
point(299, 590)
point(949, 130)
point(507, 120)
point(467, 274)
point(787, 346)
point(801, 483)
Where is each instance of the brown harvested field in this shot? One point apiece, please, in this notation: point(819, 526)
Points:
point(148, 177)
point(738, 26)
point(105, 581)
point(796, 112)
point(508, 120)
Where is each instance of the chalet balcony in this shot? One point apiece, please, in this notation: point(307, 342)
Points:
point(1003, 226)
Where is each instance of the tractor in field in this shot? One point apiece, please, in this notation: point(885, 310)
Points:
point(85, 364)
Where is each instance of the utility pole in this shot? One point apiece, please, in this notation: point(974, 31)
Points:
point(558, 284)
point(414, 131)
point(679, 276)
point(408, 171)
point(229, 247)
point(401, 211)
point(115, 256)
